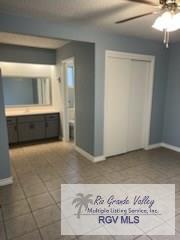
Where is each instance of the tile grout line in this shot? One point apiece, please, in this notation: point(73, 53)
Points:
point(42, 208)
point(48, 189)
point(3, 222)
point(31, 213)
point(56, 203)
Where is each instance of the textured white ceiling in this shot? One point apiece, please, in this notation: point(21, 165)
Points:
point(30, 41)
point(99, 13)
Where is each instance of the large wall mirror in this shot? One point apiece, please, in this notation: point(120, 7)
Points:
point(24, 91)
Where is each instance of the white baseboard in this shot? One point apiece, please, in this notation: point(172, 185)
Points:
point(6, 181)
point(164, 145)
point(99, 159)
point(88, 155)
point(153, 146)
point(171, 147)
point(102, 158)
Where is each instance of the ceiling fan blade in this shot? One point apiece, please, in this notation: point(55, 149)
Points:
point(148, 2)
point(135, 17)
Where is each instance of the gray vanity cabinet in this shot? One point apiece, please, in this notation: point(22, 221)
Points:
point(52, 126)
point(12, 130)
point(30, 128)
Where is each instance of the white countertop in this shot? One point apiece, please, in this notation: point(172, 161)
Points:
point(22, 113)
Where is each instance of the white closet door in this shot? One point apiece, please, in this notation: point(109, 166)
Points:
point(117, 92)
point(137, 98)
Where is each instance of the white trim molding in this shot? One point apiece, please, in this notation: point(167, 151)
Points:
point(164, 145)
point(96, 159)
point(153, 146)
point(90, 157)
point(64, 64)
point(171, 147)
point(6, 181)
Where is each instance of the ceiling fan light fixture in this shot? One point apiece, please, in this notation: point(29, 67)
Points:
point(167, 22)
point(177, 20)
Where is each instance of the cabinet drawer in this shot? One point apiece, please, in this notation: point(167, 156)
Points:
point(31, 118)
point(31, 131)
point(52, 116)
point(11, 120)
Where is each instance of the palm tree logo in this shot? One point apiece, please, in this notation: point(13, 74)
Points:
point(82, 201)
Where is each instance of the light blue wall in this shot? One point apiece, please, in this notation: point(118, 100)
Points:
point(14, 53)
point(102, 42)
point(83, 54)
point(4, 154)
point(160, 77)
point(171, 133)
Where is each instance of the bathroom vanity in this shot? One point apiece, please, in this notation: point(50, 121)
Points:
point(30, 111)
point(33, 127)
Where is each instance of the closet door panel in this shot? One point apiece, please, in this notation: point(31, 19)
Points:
point(138, 91)
point(117, 92)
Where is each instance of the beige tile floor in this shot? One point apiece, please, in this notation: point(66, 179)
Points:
point(31, 206)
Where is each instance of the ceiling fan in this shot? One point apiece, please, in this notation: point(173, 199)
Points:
point(168, 22)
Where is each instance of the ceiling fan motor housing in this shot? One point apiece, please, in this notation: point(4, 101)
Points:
point(171, 5)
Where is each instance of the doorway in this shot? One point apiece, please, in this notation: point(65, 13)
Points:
point(128, 99)
point(69, 100)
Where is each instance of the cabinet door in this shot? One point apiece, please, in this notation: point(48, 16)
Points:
point(52, 128)
point(12, 130)
point(12, 133)
point(30, 131)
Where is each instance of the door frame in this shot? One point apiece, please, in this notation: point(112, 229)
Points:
point(148, 103)
point(65, 62)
